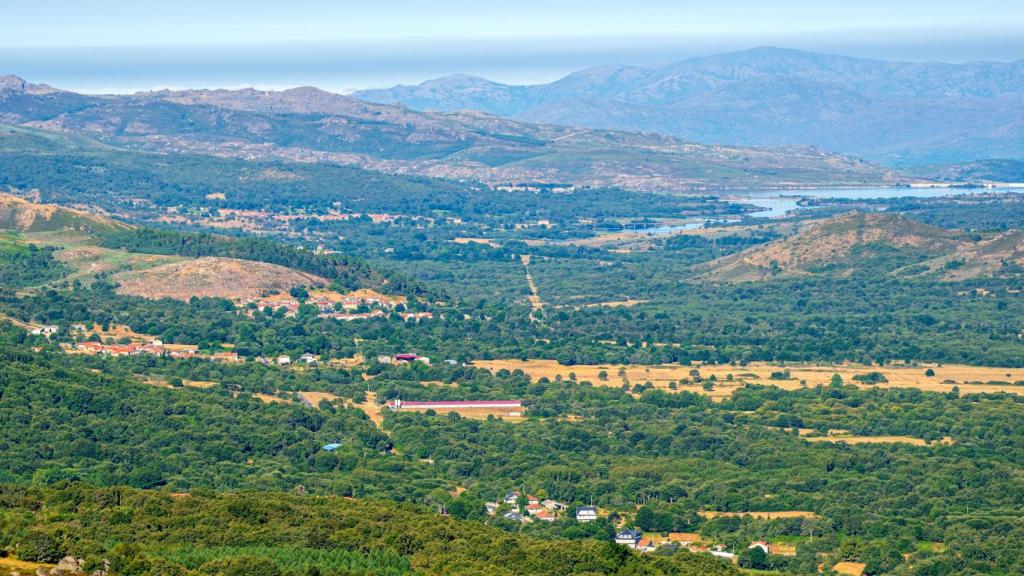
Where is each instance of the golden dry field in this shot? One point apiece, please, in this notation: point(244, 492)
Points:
point(314, 398)
point(9, 565)
point(967, 378)
point(372, 409)
point(852, 439)
point(850, 568)
point(761, 515)
point(484, 241)
point(478, 413)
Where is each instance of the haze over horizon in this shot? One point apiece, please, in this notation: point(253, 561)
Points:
point(346, 48)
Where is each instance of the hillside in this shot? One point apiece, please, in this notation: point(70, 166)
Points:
point(166, 264)
point(995, 170)
point(310, 125)
point(213, 277)
point(841, 245)
point(17, 214)
point(897, 113)
point(331, 535)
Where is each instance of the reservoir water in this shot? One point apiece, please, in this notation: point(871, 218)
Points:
point(777, 203)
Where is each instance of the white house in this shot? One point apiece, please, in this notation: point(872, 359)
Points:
point(720, 552)
point(512, 498)
point(284, 360)
point(586, 514)
point(628, 537)
point(764, 546)
point(553, 505)
point(308, 358)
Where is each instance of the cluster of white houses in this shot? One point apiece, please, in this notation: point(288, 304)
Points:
point(635, 540)
point(546, 510)
point(345, 308)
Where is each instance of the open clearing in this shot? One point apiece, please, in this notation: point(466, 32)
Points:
point(88, 261)
point(850, 568)
point(213, 277)
point(477, 413)
point(8, 565)
point(313, 399)
point(851, 439)
point(484, 241)
point(372, 409)
point(760, 515)
point(968, 378)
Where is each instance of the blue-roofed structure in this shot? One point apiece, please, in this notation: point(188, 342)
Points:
point(331, 447)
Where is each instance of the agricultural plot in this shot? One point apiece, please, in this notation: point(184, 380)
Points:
point(313, 399)
point(779, 515)
point(727, 378)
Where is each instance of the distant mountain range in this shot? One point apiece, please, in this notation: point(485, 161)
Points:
point(896, 113)
point(310, 125)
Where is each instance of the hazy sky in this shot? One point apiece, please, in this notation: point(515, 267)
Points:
point(121, 45)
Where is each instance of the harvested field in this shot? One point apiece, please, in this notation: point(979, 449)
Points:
point(681, 537)
point(477, 413)
point(968, 378)
point(484, 241)
point(213, 277)
point(161, 382)
point(270, 399)
point(850, 568)
point(761, 515)
point(313, 399)
point(783, 549)
point(851, 439)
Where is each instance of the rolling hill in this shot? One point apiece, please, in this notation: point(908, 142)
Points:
point(213, 277)
point(163, 264)
point(21, 215)
point(882, 242)
point(310, 125)
point(898, 113)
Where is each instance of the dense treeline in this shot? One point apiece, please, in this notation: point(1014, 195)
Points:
point(22, 266)
point(144, 533)
point(348, 272)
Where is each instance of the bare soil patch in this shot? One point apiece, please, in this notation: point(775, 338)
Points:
point(214, 277)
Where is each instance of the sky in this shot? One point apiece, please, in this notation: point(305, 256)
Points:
point(127, 45)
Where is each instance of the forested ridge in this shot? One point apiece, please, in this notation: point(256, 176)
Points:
point(276, 534)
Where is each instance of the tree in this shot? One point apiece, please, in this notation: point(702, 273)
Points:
point(753, 558)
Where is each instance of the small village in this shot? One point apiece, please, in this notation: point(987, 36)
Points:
point(515, 507)
point(358, 305)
